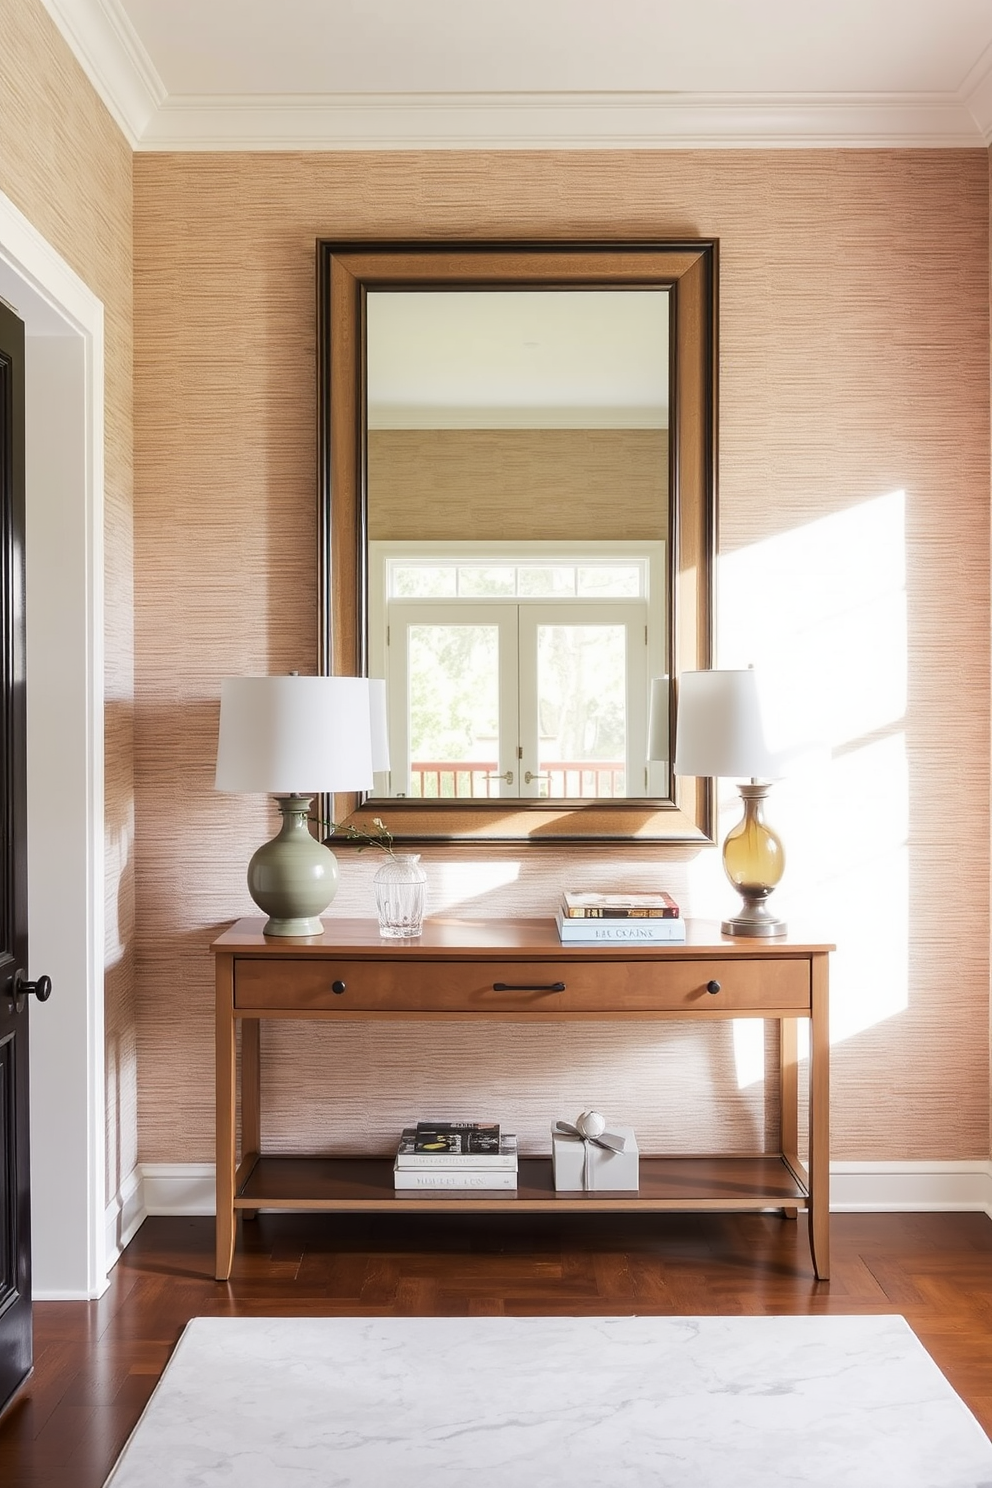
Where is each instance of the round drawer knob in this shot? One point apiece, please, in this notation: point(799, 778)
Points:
point(338, 987)
point(713, 987)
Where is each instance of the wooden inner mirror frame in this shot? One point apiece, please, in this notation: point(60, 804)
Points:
point(346, 272)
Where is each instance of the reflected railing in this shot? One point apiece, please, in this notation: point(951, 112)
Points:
point(570, 780)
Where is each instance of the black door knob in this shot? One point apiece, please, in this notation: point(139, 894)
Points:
point(42, 988)
point(338, 988)
point(713, 987)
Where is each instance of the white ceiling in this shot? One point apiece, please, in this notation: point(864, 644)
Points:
point(393, 74)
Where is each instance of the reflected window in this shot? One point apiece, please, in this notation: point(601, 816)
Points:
point(525, 675)
point(424, 578)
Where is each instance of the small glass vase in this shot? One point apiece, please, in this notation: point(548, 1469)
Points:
point(400, 886)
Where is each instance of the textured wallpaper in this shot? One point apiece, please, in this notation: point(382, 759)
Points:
point(854, 566)
point(66, 166)
point(512, 484)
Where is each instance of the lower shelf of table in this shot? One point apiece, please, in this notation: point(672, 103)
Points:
point(686, 1183)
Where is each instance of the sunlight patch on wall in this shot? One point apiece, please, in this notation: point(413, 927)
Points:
point(749, 1051)
point(821, 613)
point(453, 885)
point(821, 610)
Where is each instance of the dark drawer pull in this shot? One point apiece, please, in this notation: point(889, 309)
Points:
point(527, 987)
point(713, 987)
point(338, 987)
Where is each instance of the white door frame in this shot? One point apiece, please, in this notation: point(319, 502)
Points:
point(64, 365)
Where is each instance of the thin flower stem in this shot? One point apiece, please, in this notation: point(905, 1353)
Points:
point(381, 837)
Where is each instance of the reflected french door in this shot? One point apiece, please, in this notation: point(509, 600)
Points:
point(517, 700)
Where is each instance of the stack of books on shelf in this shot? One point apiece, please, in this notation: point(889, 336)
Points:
point(624, 917)
point(456, 1157)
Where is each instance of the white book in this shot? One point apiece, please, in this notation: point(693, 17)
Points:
point(456, 1180)
point(620, 932)
point(442, 1162)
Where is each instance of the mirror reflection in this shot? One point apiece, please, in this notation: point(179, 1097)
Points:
point(518, 538)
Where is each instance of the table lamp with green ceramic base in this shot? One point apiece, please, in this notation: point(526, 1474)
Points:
point(292, 737)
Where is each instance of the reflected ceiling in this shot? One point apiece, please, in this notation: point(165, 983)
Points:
point(509, 359)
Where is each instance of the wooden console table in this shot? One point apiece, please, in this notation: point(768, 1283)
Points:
point(518, 970)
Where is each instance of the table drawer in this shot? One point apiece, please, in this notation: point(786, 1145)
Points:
point(540, 987)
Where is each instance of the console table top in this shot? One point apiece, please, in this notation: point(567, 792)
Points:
point(510, 937)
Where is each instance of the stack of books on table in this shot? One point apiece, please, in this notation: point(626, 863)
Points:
point(619, 918)
point(456, 1157)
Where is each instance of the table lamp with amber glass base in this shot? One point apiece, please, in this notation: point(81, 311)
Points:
point(719, 732)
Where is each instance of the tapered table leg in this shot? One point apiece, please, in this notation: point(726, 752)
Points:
point(788, 1084)
point(251, 1097)
point(819, 1121)
point(226, 1095)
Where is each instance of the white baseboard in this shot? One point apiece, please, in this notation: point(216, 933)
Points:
point(184, 1189)
point(124, 1215)
point(122, 1218)
point(855, 1187)
point(178, 1188)
point(910, 1187)
point(49, 1294)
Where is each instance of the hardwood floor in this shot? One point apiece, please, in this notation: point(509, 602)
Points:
point(96, 1363)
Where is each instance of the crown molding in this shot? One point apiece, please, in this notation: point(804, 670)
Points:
point(115, 61)
point(560, 121)
point(108, 49)
point(977, 94)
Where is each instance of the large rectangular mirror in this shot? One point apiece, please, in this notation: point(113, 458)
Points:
point(517, 527)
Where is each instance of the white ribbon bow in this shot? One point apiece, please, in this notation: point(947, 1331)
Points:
point(610, 1141)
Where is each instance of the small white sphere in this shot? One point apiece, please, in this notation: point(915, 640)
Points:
point(591, 1124)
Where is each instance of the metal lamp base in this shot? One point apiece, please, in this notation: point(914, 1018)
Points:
point(740, 927)
point(754, 919)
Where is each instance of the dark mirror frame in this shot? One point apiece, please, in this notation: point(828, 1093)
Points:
point(346, 271)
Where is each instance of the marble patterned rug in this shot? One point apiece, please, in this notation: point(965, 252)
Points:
point(618, 1402)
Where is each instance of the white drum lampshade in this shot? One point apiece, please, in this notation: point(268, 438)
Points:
point(380, 731)
point(719, 728)
point(291, 737)
point(659, 715)
point(719, 731)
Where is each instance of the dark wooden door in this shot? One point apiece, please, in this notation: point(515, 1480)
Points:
point(15, 1235)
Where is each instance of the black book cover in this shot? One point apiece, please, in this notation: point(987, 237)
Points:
point(457, 1137)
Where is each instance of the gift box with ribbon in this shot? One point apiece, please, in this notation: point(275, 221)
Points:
point(589, 1157)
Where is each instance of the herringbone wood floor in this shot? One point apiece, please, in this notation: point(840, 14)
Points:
point(97, 1363)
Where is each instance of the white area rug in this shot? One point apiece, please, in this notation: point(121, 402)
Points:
point(836, 1402)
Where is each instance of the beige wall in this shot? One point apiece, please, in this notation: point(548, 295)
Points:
point(516, 484)
point(854, 366)
point(66, 166)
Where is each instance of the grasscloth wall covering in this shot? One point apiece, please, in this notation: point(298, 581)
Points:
point(854, 367)
point(513, 484)
point(66, 166)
